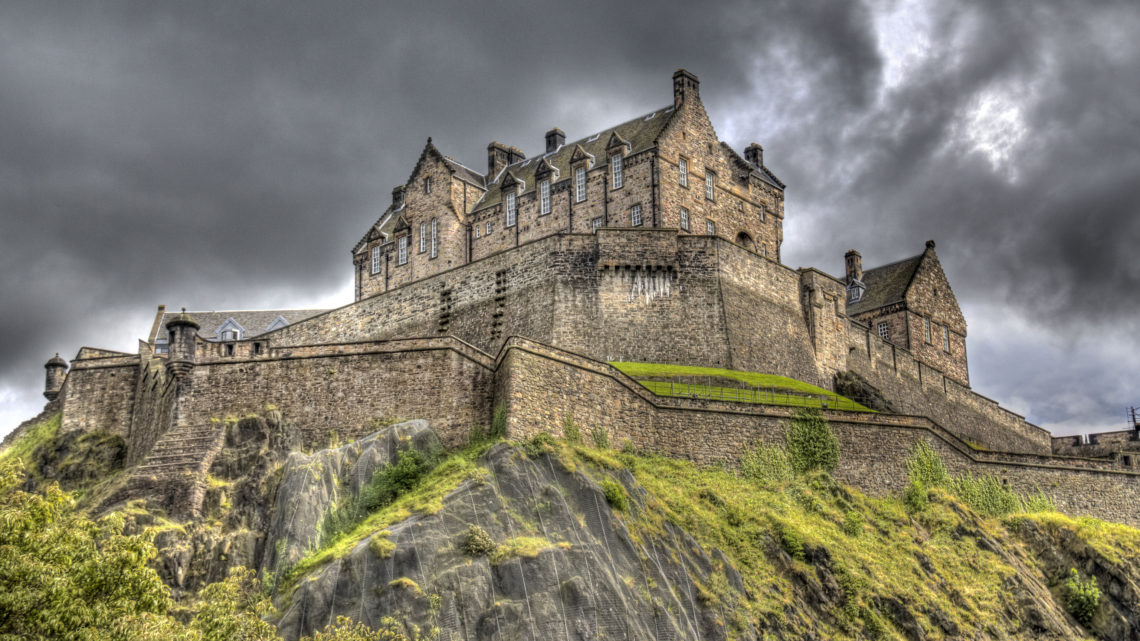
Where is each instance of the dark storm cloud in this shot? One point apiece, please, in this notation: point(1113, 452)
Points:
point(223, 155)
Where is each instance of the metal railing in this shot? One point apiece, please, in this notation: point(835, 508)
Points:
point(747, 394)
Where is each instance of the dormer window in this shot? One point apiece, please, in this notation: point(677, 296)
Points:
point(231, 335)
point(402, 255)
point(434, 237)
point(423, 237)
point(580, 184)
point(855, 291)
point(615, 170)
point(683, 169)
point(376, 259)
point(512, 209)
point(544, 197)
point(710, 184)
point(635, 216)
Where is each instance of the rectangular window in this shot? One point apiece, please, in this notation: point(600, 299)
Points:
point(161, 348)
point(423, 237)
point(945, 339)
point(580, 184)
point(710, 227)
point(884, 332)
point(427, 185)
point(544, 196)
point(710, 184)
point(512, 209)
point(488, 230)
point(926, 329)
point(434, 238)
point(376, 259)
point(684, 219)
point(615, 167)
point(635, 216)
point(763, 215)
point(683, 168)
point(403, 255)
point(478, 228)
point(597, 224)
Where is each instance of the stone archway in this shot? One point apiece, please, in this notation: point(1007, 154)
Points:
point(745, 241)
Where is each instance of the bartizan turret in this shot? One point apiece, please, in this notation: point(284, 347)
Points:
point(56, 372)
point(182, 330)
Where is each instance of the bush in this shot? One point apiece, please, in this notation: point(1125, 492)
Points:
point(926, 467)
point(386, 484)
point(1083, 597)
point(570, 430)
point(477, 542)
point(499, 422)
point(615, 494)
point(914, 498)
point(381, 545)
point(852, 523)
point(811, 443)
point(985, 495)
point(542, 443)
point(767, 463)
point(601, 438)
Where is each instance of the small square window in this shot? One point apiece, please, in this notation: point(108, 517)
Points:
point(596, 224)
point(684, 219)
point(884, 331)
point(635, 216)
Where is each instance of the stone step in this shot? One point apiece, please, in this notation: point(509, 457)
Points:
point(174, 458)
point(205, 443)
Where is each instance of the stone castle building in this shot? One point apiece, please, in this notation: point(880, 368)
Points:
point(651, 241)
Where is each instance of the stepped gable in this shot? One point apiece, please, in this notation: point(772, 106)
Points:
point(886, 285)
point(640, 133)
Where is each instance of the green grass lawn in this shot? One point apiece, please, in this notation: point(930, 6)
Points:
point(764, 389)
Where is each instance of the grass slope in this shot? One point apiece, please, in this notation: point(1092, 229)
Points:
point(793, 390)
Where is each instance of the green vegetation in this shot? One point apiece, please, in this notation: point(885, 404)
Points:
point(390, 629)
point(499, 422)
point(36, 435)
point(1082, 598)
point(767, 389)
point(766, 463)
point(523, 546)
point(985, 494)
point(570, 430)
point(811, 443)
point(615, 494)
point(477, 542)
point(600, 437)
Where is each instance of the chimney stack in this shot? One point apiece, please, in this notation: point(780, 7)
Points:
point(685, 86)
point(755, 154)
point(555, 138)
point(854, 262)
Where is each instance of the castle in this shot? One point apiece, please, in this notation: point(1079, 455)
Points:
point(651, 241)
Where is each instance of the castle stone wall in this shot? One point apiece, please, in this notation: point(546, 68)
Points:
point(327, 394)
point(543, 386)
point(153, 407)
point(99, 394)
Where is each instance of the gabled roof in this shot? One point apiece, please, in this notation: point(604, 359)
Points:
point(763, 172)
point(252, 322)
point(886, 285)
point(639, 133)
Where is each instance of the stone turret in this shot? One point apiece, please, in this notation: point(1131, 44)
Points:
point(182, 329)
point(56, 372)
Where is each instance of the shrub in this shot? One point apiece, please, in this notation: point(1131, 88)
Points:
point(1083, 597)
point(386, 484)
point(615, 494)
point(499, 422)
point(601, 438)
point(767, 463)
point(542, 443)
point(792, 542)
point(811, 443)
point(381, 545)
point(476, 542)
point(1037, 503)
point(926, 467)
point(985, 495)
point(914, 498)
point(852, 523)
point(570, 430)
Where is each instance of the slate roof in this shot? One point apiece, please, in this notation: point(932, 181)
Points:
point(253, 323)
point(886, 284)
point(641, 134)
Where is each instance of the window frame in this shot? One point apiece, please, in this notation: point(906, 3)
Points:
point(580, 183)
point(427, 185)
point(884, 331)
point(945, 339)
point(544, 197)
point(423, 237)
point(402, 251)
point(710, 185)
point(434, 237)
point(926, 329)
point(710, 227)
point(685, 219)
point(683, 171)
point(617, 179)
point(635, 219)
point(512, 208)
point(596, 224)
point(375, 259)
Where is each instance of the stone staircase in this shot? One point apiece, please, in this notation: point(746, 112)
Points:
point(174, 472)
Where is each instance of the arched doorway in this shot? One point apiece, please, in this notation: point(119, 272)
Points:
point(745, 241)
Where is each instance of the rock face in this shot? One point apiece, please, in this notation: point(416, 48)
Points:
point(576, 573)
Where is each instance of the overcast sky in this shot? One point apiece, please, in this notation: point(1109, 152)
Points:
point(228, 155)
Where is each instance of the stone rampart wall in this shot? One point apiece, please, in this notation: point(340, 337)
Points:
point(98, 394)
point(542, 386)
point(917, 388)
point(153, 407)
